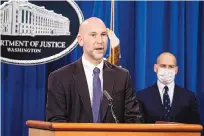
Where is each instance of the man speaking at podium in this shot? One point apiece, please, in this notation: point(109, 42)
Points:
point(76, 91)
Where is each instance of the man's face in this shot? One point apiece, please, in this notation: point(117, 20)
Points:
point(94, 40)
point(167, 62)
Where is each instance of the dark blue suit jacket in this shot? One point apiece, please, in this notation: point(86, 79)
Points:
point(184, 107)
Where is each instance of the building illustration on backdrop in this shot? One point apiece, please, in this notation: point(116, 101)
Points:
point(20, 17)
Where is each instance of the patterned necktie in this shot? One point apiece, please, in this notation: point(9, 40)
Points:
point(97, 96)
point(166, 103)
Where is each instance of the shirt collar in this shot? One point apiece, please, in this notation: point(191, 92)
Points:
point(161, 86)
point(91, 66)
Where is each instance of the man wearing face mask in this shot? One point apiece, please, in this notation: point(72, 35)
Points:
point(166, 101)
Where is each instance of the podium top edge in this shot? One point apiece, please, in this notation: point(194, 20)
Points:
point(163, 127)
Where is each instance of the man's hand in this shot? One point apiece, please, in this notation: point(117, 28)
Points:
point(114, 41)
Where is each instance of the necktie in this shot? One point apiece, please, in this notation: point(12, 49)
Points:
point(97, 96)
point(166, 103)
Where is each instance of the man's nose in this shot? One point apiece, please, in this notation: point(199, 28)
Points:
point(99, 39)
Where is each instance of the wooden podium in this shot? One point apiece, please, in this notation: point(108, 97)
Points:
point(41, 128)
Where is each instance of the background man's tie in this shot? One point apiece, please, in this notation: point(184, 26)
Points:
point(166, 103)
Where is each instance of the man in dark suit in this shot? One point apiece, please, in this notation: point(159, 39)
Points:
point(75, 92)
point(166, 101)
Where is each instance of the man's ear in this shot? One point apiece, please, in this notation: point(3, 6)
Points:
point(176, 70)
point(155, 68)
point(80, 40)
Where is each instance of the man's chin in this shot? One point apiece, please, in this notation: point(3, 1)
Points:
point(98, 57)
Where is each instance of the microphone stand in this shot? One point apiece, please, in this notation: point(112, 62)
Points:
point(110, 103)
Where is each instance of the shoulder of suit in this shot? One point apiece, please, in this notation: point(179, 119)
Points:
point(177, 87)
point(65, 69)
point(115, 67)
point(146, 90)
point(183, 90)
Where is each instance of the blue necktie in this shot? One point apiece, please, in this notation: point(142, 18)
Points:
point(166, 103)
point(97, 96)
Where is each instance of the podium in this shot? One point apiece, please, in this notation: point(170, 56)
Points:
point(41, 128)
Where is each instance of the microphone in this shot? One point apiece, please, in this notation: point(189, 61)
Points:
point(110, 103)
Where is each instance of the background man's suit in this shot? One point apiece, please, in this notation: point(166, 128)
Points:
point(68, 96)
point(184, 108)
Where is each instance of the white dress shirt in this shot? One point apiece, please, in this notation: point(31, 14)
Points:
point(88, 69)
point(162, 90)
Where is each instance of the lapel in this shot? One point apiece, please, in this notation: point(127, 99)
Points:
point(175, 101)
point(108, 83)
point(82, 87)
point(157, 99)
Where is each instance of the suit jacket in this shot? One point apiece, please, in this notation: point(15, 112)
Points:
point(184, 108)
point(68, 96)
